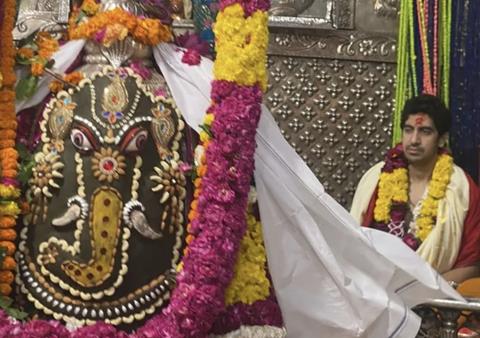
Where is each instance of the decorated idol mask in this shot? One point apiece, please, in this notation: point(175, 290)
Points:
point(107, 199)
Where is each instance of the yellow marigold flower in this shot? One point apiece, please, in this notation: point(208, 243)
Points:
point(241, 47)
point(9, 192)
point(37, 69)
point(9, 209)
point(209, 119)
point(204, 136)
point(250, 282)
point(90, 7)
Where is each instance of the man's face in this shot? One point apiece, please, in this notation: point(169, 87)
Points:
point(420, 139)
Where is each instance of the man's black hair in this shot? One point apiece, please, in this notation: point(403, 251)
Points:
point(430, 105)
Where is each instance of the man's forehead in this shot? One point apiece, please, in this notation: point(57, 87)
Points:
point(420, 120)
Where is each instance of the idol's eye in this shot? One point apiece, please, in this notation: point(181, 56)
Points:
point(81, 140)
point(134, 141)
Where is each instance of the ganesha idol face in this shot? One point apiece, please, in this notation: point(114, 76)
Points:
point(107, 203)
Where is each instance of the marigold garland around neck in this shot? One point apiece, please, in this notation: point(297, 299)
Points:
point(9, 187)
point(392, 200)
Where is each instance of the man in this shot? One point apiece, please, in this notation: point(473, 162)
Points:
point(419, 195)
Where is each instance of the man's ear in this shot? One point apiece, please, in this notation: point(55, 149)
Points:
point(443, 140)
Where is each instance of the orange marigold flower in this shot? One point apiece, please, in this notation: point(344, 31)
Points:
point(202, 170)
point(37, 69)
point(197, 183)
point(8, 263)
point(8, 234)
point(7, 96)
point(7, 134)
point(8, 162)
point(192, 214)
point(115, 32)
point(189, 239)
point(9, 173)
point(9, 246)
point(6, 277)
point(5, 289)
point(7, 222)
point(25, 53)
point(8, 77)
point(151, 32)
point(47, 45)
point(55, 86)
point(73, 77)
point(7, 123)
point(8, 153)
point(7, 144)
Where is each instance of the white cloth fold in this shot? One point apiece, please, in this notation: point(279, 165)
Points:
point(332, 278)
point(64, 57)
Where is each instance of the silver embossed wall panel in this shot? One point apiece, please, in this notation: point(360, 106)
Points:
point(335, 113)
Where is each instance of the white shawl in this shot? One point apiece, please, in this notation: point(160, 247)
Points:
point(442, 246)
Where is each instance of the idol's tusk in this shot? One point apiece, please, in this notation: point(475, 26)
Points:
point(140, 223)
point(72, 214)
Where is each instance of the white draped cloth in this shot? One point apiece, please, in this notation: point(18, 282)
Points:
point(332, 278)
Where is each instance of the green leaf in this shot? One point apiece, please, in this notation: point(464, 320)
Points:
point(5, 302)
point(27, 163)
point(25, 172)
point(23, 61)
point(16, 313)
point(206, 129)
point(23, 151)
point(26, 87)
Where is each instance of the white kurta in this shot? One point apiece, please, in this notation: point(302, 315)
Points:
point(332, 278)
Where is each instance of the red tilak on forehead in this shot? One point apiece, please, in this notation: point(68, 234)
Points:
point(419, 120)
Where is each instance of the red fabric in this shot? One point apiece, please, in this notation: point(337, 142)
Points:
point(470, 246)
point(367, 216)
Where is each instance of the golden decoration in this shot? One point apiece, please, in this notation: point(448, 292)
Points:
point(114, 100)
